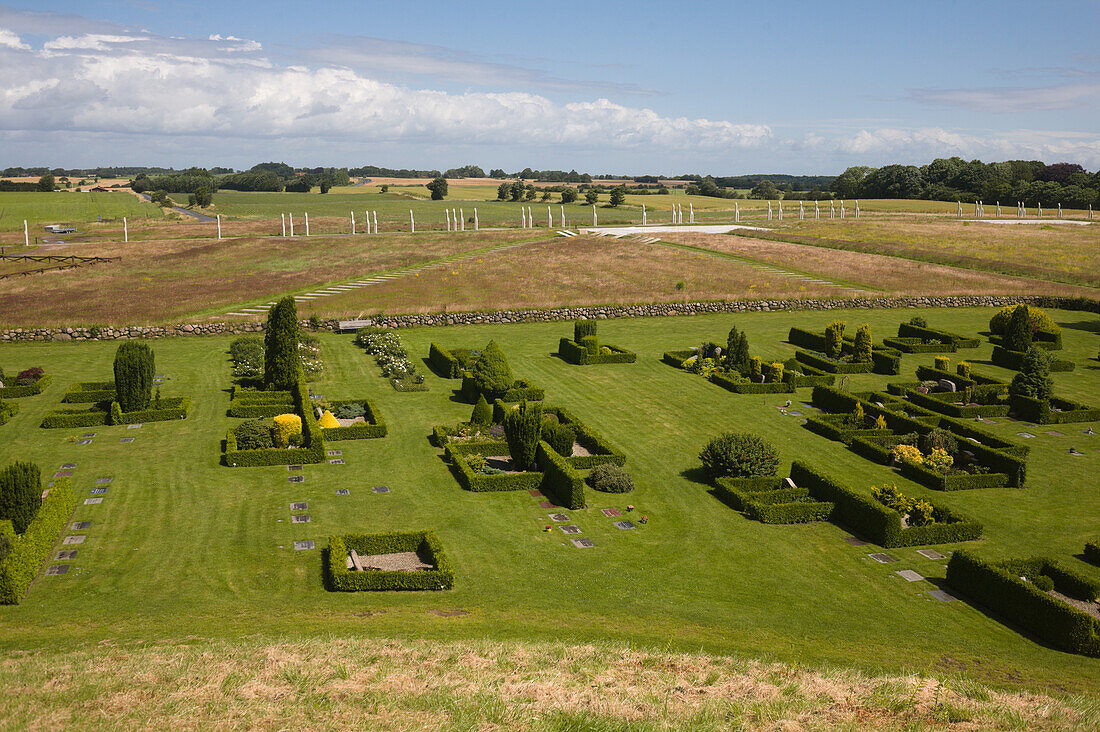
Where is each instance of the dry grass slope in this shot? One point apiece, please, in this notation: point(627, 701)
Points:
point(397, 685)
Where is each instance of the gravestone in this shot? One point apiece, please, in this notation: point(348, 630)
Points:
point(336, 461)
point(299, 506)
point(68, 466)
point(300, 519)
point(103, 481)
point(583, 543)
point(788, 483)
point(854, 541)
point(930, 554)
point(293, 467)
point(62, 474)
point(882, 558)
point(909, 575)
point(942, 596)
point(343, 492)
point(558, 517)
point(133, 426)
point(1055, 433)
point(88, 435)
point(67, 554)
point(381, 489)
point(570, 529)
point(535, 493)
point(126, 440)
point(1025, 435)
point(299, 545)
point(82, 525)
point(946, 385)
point(334, 453)
point(57, 569)
point(98, 491)
point(545, 504)
point(625, 525)
point(83, 442)
point(611, 512)
point(296, 479)
point(70, 540)
point(91, 501)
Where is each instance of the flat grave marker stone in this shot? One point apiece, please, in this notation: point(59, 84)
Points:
point(535, 493)
point(296, 479)
point(299, 506)
point(57, 569)
point(1056, 433)
point(545, 504)
point(624, 525)
point(1025, 435)
point(63, 474)
point(610, 512)
point(854, 541)
point(570, 529)
point(70, 540)
point(930, 554)
point(909, 575)
point(103, 481)
point(343, 492)
point(293, 467)
point(133, 426)
point(68, 466)
point(300, 519)
point(557, 517)
point(90, 501)
point(67, 554)
point(81, 525)
point(381, 489)
point(583, 543)
point(334, 453)
point(882, 558)
point(83, 442)
point(300, 545)
point(88, 435)
point(942, 596)
point(336, 461)
point(98, 491)
point(126, 440)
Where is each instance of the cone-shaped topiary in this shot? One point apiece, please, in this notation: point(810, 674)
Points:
point(328, 420)
point(282, 362)
point(491, 373)
point(737, 351)
point(134, 369)
point(523, 430)
point(863, 344)
point(1034, 378)
point(483, 413)
point(834, 339)
point(1019, 334)
point(20, 494)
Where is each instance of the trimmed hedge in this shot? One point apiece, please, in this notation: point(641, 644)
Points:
point(765, 500)
point(997, 586)
point(375, 425)
point(883, 360)
point(602, 450)
point(87, 392)
point(1014, 360)
point(259, 404)
point(1052, 411)
point(68, 418)
point(943, 402)
point(170, 408)
point(917, 345)
point(574, 353)
point(677, 358)
point(424, 543)
point(28, 553)
point(726, 381)
point(443, 362)
point(480, 483)
point(7, 411)
point(313, 443)
point(17, 392)
point(1092, 551)
point(522, 390)
point(823, 363)
point(908, 330)
point(562, 483)
point(810, 376)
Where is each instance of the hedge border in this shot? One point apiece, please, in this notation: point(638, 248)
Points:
point(1092, 551)
point(18, 392)
point(605, 452)
point(171, 408)
point(7, 411)
point(907, 344)
point(312, 451)
point(915, 331)
point(341, 579)
point(1013, 360)
point(576, 354)
point(479, 483)
point(1042, 411)
point(22, 565)
point(883, 360)
point(87, 392)
point(374, 427)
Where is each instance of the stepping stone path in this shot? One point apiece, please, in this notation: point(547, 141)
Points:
point(909, 575)
point(930, 554)
point(942, 596)
point(882, 558)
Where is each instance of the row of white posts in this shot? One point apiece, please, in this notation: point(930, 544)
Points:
point(1021, 210)
point(802, 210)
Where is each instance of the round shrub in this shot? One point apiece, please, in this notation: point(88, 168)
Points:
point(610, 478)
point(491, 373)
point(253, 434)
point(1042, 582)
point(918, 321)
point(998, 324)
point(287, 426)
point(350, 411)
point(939, 439)
point(559, 436)
point(739, 455)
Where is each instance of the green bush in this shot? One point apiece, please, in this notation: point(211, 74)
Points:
point(35, 544)
point(523, 430)
point(24, 387)
point(574, 353)
point(582, 329)
point(313, 443)
point(739, 455)
point(590, 344)
point(253, 434)
point(610, 478)
point(247, 353)
point(350, 411)
point(1014, 360)
point(737, 351)
point(20, 494)
point(424, 543)
point(7, 411)
point(560, 437)
point(491, 374)
point(912, 330)
point(443, 362)
point(1040, 321)
point(1018, 336)
point(282, 361)
point(939, 439)
point(1092, 551)
point(918, 321)
point(483, 413)
point(134, 369)
point(862, 346)
point(1044, 583)
point(373, 425)
point(561, 482)
point(834, 339)
point(1033, 380)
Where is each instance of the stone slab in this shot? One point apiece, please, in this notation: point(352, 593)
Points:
point(343, 492)
point(301, 519)
point(68, 466)
point(942, 596)
point(91, 501)
point(570, 529)
point(336, 461)
point(57, 569)
point(70, 540)
point(63, 474)
point(78, 525)
point(909, 575)
point(296, 479)
point(583, 543)
point(293, 467)
point(133, 426)
point(83, 442)
point(300, 545)
point(299, 506)
point(103, 481)
point(930, 554)
point(334, 453)
point(1055, 433)
point(1025, 435)
point(535, 493)
point(126, 440)
point(882, 558)
point(625, 525)
point(558, 517)
point(610, 512)
point(88, 435)
point(545, 504)
point(98, 491)
point(381, 489)
point(854, 541)
point(66, 554)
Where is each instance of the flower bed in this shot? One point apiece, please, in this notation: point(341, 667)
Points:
point(390, 355)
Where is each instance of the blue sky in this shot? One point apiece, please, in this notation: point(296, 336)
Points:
point(709, 87)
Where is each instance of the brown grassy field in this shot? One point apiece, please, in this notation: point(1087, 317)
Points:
point(886, 274)
point(1062, 253)
point(399, 685)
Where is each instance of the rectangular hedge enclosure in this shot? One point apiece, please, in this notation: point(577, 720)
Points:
point(17, 391)
point(312, 449)
point(1000, 587)
point(110, 413)
point(794, 374)
point(33, 547)
point(558, 479)
point(973, 396)
point(817, 497)
point(601, 450)
point(373, 425)
point(584, 348)
point(883, 360)
point(424, 544)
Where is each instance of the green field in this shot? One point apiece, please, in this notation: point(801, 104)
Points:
point(185, 548)
point(70, 208)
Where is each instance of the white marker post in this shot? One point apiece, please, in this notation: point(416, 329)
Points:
point(563, 216)
point(736, 212)
point(1039, 214)
point(26, 234)
point(817, 210)
point(832, 209)
point(475, 220)
point(522, 218)
point(412, 222)
point(290, 217)
point(353, 222)
point(447, 211)
point(219, 226)
point(643, 214)
point(691, 213)
point(461, 220)
point(1059, 209)
point(769, 210)
point(593, 214)
point(801, 211)
point(857, 209)
point(307, 224)
point(549, 218)
point(125, 230)
point(842, 208)
point(959, 212)
point(375, 221)
point(531, 217)
point(282, 217)
point(998, 209)
point(780, 210)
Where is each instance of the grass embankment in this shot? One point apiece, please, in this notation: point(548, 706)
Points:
point(182, 546)
point(482, 685)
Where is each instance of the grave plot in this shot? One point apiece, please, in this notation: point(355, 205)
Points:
point(962, 394)
point(1052, 411)
point(349, 419)
point(585, 349)
point(837, 353)
point(486, 467)
point(412, 560)
point(808, 495)
point(1038, 330)
point(483, 372)
point(295, 438)
point(33, 543)
point(390, 355)
point(936, 451)
point(732, 368)
point(1041, 596)
point(587, 449)
point(916, 337)
point(27, 382)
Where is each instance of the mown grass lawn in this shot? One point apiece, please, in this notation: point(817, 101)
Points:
point(183, 547)
point(70, 208)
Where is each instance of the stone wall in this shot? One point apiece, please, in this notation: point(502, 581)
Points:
point(556, 314)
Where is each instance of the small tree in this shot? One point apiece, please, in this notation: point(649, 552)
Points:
point(618, 196)
point(483, 413)
point(1019, 334)
point(739, 455)
point(517, 190)
point(438, 187)
point(863, 344)
point(1034, 379)
point(737, 350)
point(20, 494)
point(504, 191)
point(591, 196)
point(491, 372)
point(523, 430)
point(560, 437)
point(46, 183)
point(134, 369)
point(282, 362)
point(202, 197)
point(569, 195)
point(834, 339)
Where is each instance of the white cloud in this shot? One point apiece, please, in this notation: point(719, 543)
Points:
point(10, 39)
point(1011, 100)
